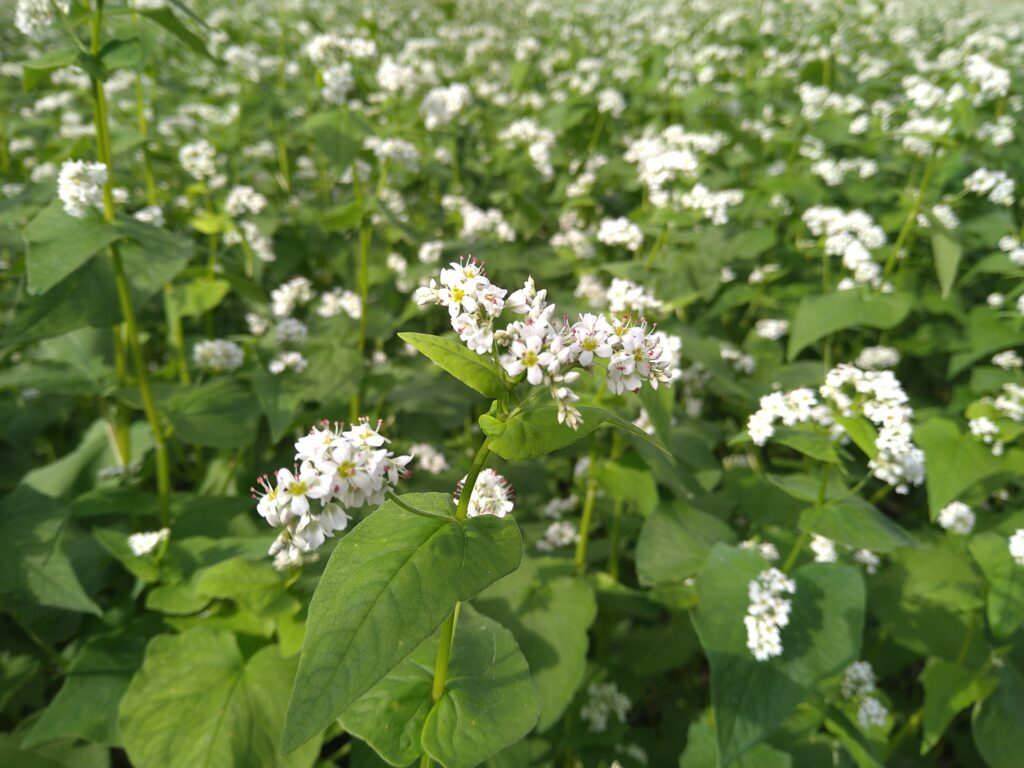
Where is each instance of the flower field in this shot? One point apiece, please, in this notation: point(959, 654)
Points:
point(571, 385)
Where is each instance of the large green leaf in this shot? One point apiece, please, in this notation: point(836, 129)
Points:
point(471, 369)
point(856, 523)
point(954, 462)
point(58, 244)
point(86, 705)
point(818, 316)
point(36, 568)
point(388, 585)
point(219, 413)
point(999, 719)
point(489, 701)
point(949, 688)
point(537, 431)
point(1004, 600)
point(165, 18)
point(549, 613)
point(198, 701)
point(752, 698)
point(674, 543)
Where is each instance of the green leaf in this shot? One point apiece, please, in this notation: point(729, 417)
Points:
point(809, 442)
point(196, 297)
point(702, 751)
point(471, 369)
point(632, 485)
point(947, 253)
point(198, 701)
point(948, 689)
point(537, 432)
point(856, 523)
point(121, 54)
point(1005, 597)
point(862, 432)
point(489, 701)
point(549, 614)
point(59, 244)
point(165, 18)
point(945, 448)
point(256, 587)
point(674, 543)
point(36, 568)
point(388, 585)
point(86, 705)
point(752, 698)
point(998, 720)
point(818, 316)
point(219, 414)
point(34, 71)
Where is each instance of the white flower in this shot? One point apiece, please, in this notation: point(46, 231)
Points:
point(145, 542)
point(768, 613)
point(560, 533)
point(824, 549)
point(957, 517)
point(859, 680)
point(428, 458)
point(217, 355)
point(198, 159)
point(288, 361)
point(441, 105)
point(244, 199)
point(620, 231)
point(603, 701)
point(771, 329)
point(1008, 360)
point(872, 712)
point(492, 495)
point(33, 16)
point(80, 186)
point(338, 82)
point(338, 470)
point(1016, 546)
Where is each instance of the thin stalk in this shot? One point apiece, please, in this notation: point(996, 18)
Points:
point(444, 648)
point(613, 555)
point(902, 238)
point(456, 171)
point(363, 279)
point(805, 537)
point(585, 519)
point(596, 134)
point(163, 479)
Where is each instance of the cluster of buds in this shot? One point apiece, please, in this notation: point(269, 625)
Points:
point(547, 352)
point(336, 470)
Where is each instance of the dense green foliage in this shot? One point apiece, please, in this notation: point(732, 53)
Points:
point(785, 233)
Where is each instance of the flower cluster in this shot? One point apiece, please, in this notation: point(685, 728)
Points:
point(852, 236)
point(560, 533)
point(492, 495)
point(603, 701)
point(957, 517)
point(33, 16)
point(849, 391)
point(80, 186)
point(858, 685)
point(768, 612)
point(536, 346)
point(997, 185)
point(145, 542)
point(442, 104)
point(1016, 546)
point(217, 355)
point(336, 470)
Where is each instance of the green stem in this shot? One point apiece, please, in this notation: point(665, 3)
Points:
point(456, 172)
point(365, 238)
point(163, 479)
point(444, 648)
point(613, 555)
point(902, 238)
point(596, 133)
point(585, 519)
